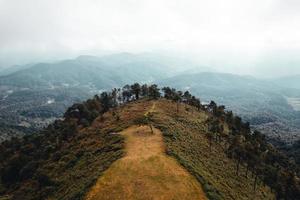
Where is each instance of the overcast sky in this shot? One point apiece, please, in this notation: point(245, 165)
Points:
point(243, 36)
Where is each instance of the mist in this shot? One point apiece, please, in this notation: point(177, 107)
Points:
point(260, 38)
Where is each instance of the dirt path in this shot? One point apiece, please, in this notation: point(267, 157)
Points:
point(146, 172)
point(151, 109)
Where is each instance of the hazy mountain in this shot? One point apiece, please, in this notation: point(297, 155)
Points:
point(106, 72)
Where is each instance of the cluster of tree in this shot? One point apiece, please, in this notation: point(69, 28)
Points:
point(179, 96)
point(87, 111)
point(292, 151)
point(250, 149)
point(20, 158)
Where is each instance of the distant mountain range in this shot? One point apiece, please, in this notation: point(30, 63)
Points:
point(106, 72)
point(33, 95)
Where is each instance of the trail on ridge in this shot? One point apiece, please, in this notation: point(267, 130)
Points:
point(145, 172)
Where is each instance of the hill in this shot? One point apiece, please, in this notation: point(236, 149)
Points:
point(267, 105)
point(101, 73)
point(72, 156)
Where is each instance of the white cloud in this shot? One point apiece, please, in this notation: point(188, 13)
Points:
point(237, 32)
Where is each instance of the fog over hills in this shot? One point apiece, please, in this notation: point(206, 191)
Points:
point(34, 95)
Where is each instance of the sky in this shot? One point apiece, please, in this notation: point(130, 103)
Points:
point(247, 37)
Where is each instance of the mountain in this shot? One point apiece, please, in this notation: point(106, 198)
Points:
point(106, 72)
point(261, 102)
point(33, 96)
point(168, 154)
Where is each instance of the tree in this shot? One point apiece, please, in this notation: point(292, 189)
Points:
point(220, 111)
point(177, 98)
point(168, 92)
point(229, 118)
point(237, 150)
point(136, 90)
point(154, 91)
point(126, 93)
point(119, 95)
point(10, 174)
point(144, 90)
point(212, 106)
point(114, 94)
point(198, 104)
point(187, 97)
point(106, 101)
point(237, 123)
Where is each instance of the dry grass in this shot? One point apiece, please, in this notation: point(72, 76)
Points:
point(146, 172)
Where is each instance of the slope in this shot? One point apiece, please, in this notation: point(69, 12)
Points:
point(185, 136)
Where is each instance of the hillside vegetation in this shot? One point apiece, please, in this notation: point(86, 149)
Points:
point(264, 103)
point(217, 148)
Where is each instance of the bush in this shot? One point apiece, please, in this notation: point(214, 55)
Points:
point(10, 172)
point(28, 170)
point(44, 180)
